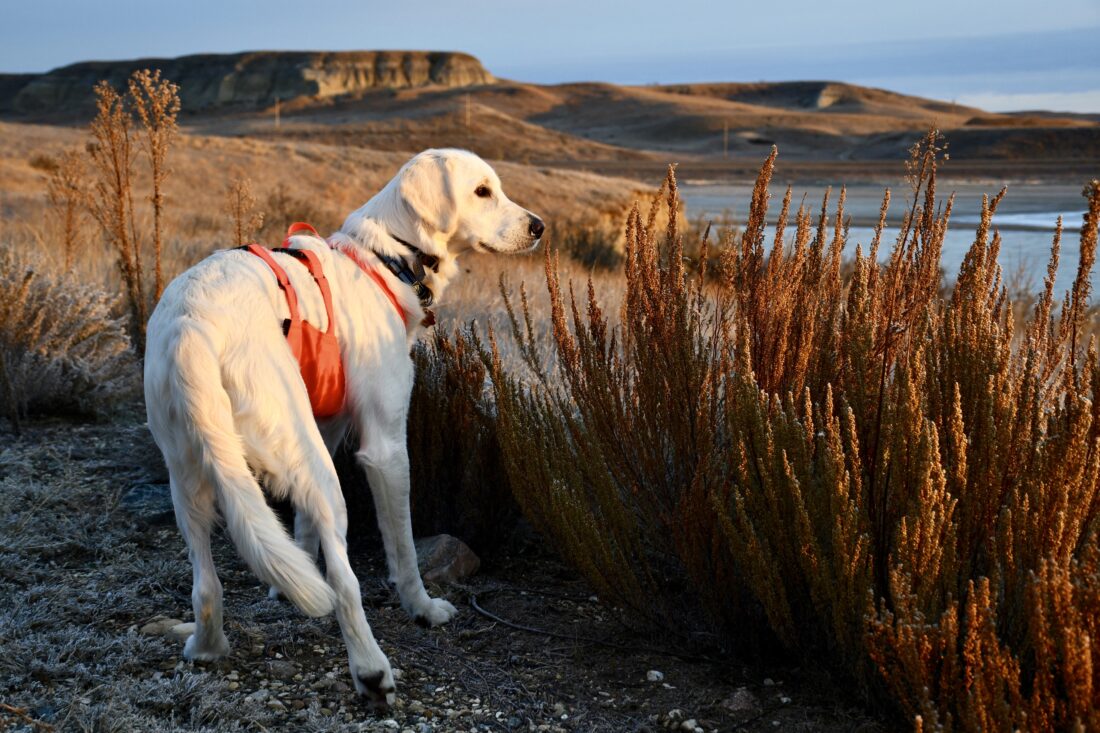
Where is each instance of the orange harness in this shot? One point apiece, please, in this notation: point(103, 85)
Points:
point(317, 352)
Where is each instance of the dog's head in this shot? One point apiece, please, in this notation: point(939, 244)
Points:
point(447, 201)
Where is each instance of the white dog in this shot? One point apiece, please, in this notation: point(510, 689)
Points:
point(229, 409)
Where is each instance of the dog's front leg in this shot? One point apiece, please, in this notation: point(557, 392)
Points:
point(384, 457)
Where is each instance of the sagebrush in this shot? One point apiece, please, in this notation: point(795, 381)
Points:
point(62, 346)
point(877, 467)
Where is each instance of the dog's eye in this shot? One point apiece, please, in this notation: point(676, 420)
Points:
point(483, 192)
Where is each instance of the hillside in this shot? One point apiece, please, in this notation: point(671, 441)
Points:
point(406, 101)
point(290, 179)
point(253, 79)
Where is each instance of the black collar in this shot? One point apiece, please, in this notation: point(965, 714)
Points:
point(412, 276)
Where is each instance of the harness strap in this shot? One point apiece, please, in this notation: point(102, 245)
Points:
point(300, 226)
point(377, 277)
point(284, 284)
point(313, 264)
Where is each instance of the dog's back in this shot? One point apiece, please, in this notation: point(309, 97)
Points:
point(212, 338)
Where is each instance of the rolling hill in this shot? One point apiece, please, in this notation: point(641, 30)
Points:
point(405, 101)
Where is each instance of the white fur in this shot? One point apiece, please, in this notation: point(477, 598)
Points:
point(229, 410)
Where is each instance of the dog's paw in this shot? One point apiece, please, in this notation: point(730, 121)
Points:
point(376, 685)
point(211, 651)
point(435, 612)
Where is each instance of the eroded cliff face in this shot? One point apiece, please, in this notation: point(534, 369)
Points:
point(252, 79)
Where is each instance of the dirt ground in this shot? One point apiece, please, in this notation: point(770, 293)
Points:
point(90, 561)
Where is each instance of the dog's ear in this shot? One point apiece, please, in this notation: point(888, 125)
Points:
point(427, 192)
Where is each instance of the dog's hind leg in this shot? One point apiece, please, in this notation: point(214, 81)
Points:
point(385, 458)
point(194, 501)
point(314, 488)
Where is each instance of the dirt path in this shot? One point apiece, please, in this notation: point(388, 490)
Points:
point(87, 561)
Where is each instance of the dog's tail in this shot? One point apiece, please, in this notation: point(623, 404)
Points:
point(260, 537)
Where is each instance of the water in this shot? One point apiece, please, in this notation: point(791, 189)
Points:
point(1026, 219)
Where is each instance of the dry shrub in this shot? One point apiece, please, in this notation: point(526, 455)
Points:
point(611, 453)
point(282, 209)
point(111, 196)
point(62, 348)
point(156, 102)
point(65, 191)
point(459, 485)
point(590, 244)
point(895, 480)
point(458, 482)
point(240, 204)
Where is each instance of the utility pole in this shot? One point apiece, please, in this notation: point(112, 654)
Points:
point(725, 139)
point(276, 113)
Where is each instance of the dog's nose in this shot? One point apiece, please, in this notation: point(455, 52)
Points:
point(536, 228)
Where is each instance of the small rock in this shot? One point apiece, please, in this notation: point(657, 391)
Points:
point(689, 725)
point(654, 676)
point(784, 699)
point(559, 708)
point(326, 711)
point(445, 559)
point(259, 695)
point(234, 685)
point(159, 626)
point(741, 701)
point(276, 705)
point(676, 714)
point(768, 682)
point(282, 670)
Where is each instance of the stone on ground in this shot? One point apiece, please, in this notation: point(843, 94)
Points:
point(445, 559)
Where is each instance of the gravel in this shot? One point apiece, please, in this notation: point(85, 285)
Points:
point(95, 596)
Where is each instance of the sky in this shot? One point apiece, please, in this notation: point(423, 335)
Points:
point(1003, 55)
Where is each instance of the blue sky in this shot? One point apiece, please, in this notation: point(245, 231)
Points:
point(1010, 54)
